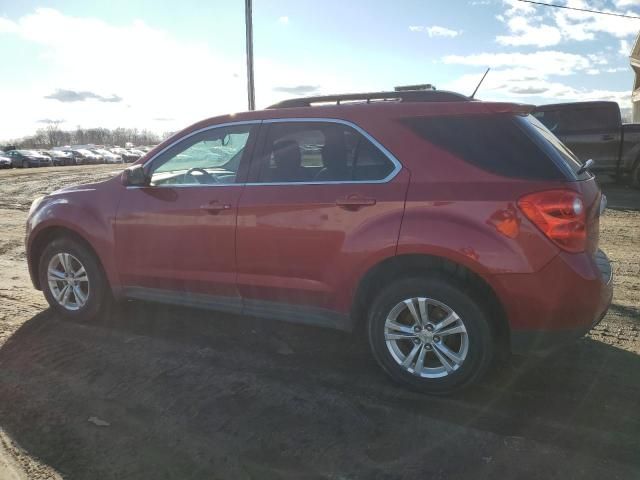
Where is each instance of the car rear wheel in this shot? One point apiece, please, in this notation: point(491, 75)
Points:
point(431, 334)
point(72, 279)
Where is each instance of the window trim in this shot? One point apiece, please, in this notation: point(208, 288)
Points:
point(397, 166)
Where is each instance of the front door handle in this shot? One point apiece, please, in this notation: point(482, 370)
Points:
point(354, 202)
point(215, 207)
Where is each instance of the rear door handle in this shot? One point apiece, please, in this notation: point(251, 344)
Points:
point(215, 207)
point(353, 202)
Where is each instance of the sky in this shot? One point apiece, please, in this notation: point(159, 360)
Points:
point(162, 65)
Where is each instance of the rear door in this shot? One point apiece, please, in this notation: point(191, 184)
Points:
point(322, 198)
point(591, 131)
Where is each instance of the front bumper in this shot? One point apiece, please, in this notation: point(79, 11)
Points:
point(559, 304)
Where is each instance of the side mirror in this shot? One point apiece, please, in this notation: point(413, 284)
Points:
point(135, 176)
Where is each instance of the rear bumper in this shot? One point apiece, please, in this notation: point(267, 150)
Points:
point(560, 303)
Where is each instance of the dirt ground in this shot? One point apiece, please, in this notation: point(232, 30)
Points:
point(192, 394)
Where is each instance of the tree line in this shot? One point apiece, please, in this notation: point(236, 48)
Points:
point(52, 136)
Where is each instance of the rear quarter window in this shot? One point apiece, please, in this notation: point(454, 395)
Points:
point(496, 143)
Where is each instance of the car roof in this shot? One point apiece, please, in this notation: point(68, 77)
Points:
point(353, 111)
point(359, 111)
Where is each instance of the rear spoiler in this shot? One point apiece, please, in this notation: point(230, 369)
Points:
point(505, 107)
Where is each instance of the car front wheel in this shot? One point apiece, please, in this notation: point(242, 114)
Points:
point(431, 334)
point(72, 279)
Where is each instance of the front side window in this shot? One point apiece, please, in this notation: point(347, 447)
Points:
point(319, 152)
point(206, 158)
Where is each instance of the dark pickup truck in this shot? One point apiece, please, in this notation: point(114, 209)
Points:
point(594, 130)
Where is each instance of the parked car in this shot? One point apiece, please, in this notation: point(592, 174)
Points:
point(594, 130)
point(447, 231)
point(137, 153)
point(5, 162)
point(60, 157)
point(125, 154)
point(107, 156)
point(28, 158)
point(85, 156)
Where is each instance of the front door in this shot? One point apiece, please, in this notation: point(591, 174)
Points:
point(176, 237)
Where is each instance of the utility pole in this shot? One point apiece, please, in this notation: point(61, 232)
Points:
point(248, 14)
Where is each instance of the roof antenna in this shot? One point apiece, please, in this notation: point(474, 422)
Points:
point(479, 83)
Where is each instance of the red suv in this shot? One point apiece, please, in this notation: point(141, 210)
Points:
point(446, 229)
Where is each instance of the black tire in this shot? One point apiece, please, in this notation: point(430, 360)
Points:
point(471, 312)
point(99, 293)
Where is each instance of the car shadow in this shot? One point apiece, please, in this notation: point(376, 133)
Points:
point(193, 394)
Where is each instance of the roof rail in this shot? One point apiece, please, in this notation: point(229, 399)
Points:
point(397, 96)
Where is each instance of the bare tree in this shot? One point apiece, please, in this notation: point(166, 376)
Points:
point(53, 133)
point(52, 136)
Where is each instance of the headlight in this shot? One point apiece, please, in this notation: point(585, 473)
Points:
point(35, 204)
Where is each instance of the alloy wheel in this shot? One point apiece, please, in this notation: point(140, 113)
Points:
point(426, 337)
point(68, 281)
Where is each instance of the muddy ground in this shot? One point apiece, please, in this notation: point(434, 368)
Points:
point(191, 394)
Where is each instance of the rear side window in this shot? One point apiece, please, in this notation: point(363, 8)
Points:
point(295, 152)
point(568, 120)
point(496, 143)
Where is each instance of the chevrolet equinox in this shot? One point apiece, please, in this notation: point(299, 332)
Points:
point(445, 229)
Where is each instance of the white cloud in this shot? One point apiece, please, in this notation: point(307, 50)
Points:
point(7, 26)
point(543, 63)
point(544, 27)
point(524, 33)
point(436, 31)
point(532, 76)
point(625, 48)
point(513, 85)
point(626, 3)
point(284, 20)
point(98, 60)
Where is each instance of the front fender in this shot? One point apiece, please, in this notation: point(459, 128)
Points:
point(88, 213)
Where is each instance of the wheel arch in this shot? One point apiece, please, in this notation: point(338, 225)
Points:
point(406, 265)
point(48, 235)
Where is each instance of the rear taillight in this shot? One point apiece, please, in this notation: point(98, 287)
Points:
point(560, 214)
